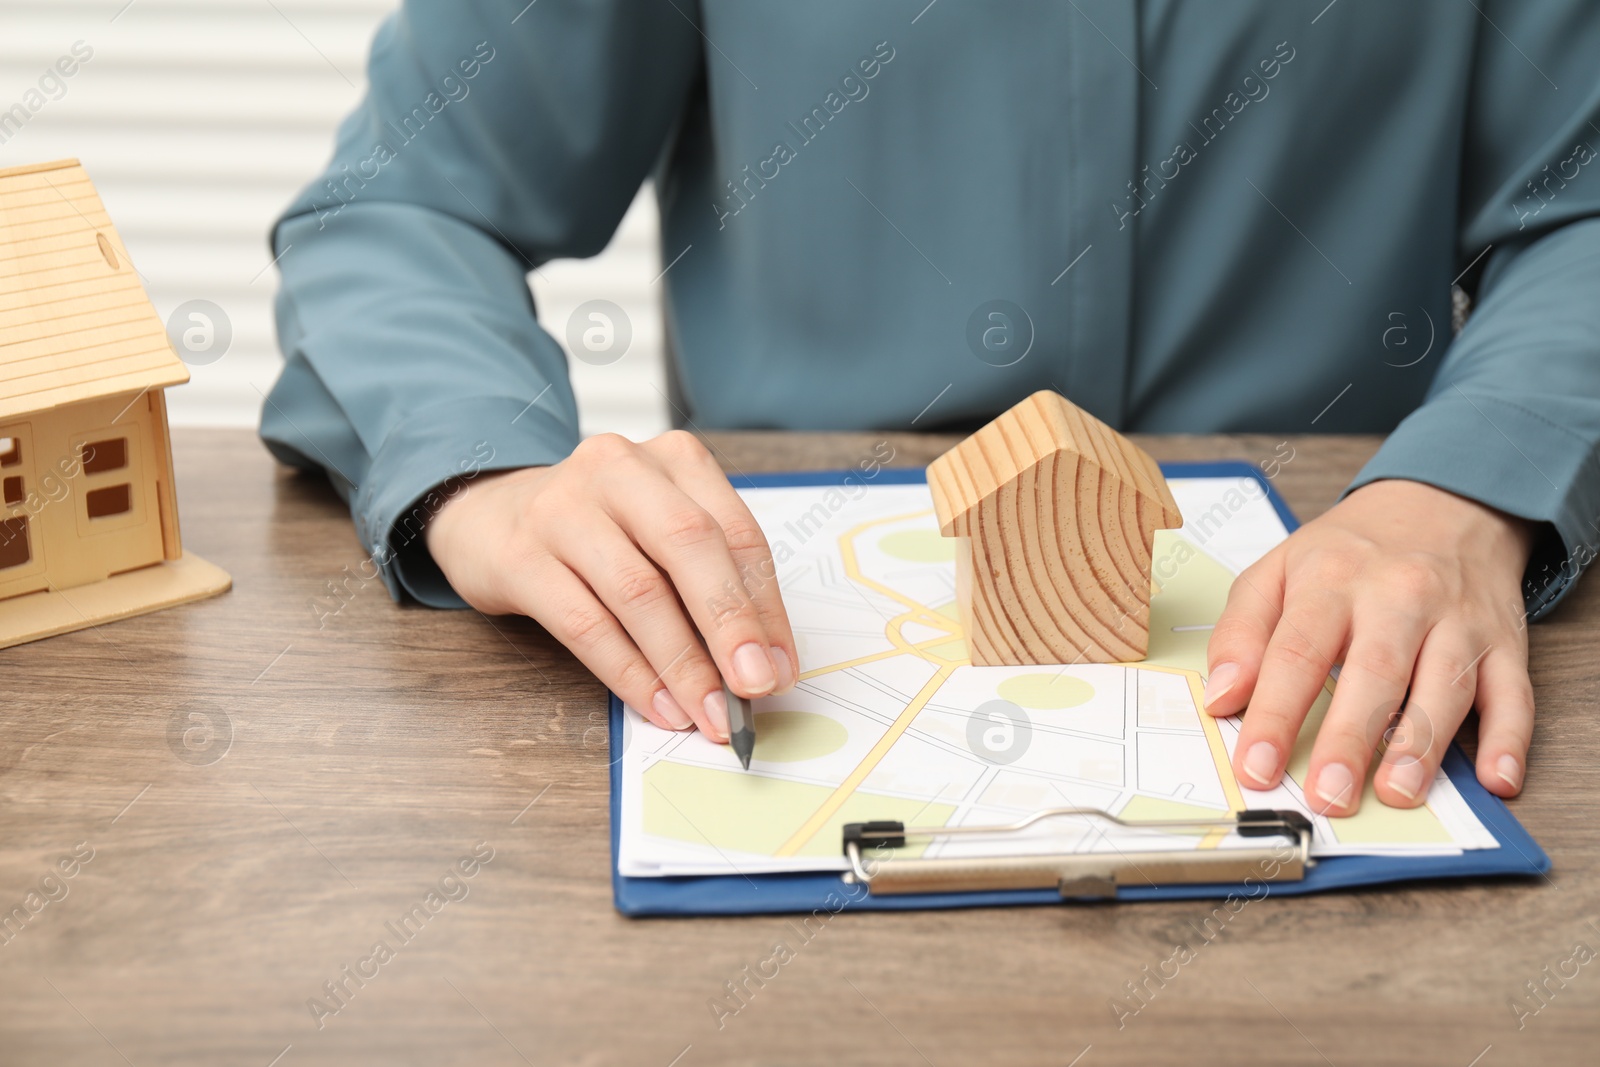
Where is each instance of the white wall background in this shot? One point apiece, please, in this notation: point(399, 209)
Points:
point(200, 119)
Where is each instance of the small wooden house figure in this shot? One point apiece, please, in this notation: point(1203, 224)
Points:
point(1057, 514)
point(88, 519)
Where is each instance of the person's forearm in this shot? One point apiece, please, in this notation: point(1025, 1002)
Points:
point(414, 359)
point(403, 380)
point(1513, 416)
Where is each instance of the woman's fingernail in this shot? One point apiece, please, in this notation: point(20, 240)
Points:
point(1510, 770)
point(1219, 683)
point(1335, 785)
point(1261, 762)
point(781, 664)
point(717, 712)
point(670, 710)
point(1407, 776)
point(754, 668)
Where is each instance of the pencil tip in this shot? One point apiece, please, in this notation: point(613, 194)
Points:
point(744, 758)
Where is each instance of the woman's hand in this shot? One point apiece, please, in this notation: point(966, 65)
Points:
point(642, 560)
point(1418, 593)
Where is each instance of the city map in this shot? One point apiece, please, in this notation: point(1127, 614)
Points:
point(890, 721)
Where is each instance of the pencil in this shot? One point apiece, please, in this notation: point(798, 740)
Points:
point(741, 726)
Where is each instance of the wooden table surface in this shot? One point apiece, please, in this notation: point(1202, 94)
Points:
point(262, 783)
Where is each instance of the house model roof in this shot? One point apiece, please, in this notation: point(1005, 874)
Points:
point(1044, 424)
point(75, 322)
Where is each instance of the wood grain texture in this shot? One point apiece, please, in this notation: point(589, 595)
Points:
point(1055, 515)
point(371, 746)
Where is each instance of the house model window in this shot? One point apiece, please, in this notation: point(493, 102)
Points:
point(14, 542)
point(102, 500)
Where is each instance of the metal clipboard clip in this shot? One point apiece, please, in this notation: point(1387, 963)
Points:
point(1079, 875)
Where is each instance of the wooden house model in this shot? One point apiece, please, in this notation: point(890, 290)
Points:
point(88, 518)
point(1056, 514)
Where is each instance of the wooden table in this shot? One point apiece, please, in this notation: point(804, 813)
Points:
point(357, 750)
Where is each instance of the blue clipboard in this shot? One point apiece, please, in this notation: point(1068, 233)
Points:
point(809, 891)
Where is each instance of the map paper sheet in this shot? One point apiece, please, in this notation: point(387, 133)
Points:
point(890, 721)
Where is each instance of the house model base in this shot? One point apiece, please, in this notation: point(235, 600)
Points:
point(122, 596)
point(1056, 515)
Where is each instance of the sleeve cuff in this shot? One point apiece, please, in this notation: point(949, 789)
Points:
point(428, 458)
point(1508, 457)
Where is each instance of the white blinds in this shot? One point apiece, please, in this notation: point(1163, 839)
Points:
point(199, 120)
